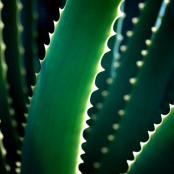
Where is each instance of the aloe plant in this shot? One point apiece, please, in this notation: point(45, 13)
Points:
point(91, 104)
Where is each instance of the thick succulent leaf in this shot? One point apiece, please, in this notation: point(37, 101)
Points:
point(29, 18)
point(105, 124)
point(14, 59)
point(111, 60)
point(156, 156)
point(8, 124)
point(124, 28)
point(145, 99)
point(55, 121)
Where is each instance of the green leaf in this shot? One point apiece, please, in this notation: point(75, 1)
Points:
point(142, 110)
point(57, 112)
point(109, 116)
point(8, 124)
point(156, 155)
point(14, 59)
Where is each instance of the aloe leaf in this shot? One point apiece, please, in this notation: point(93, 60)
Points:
point(156, 155)
point(29, 19)
point(111, 60)
point(14, 59)
point(124, 28)
point(56, 120)
point(8, 124)
point(147, 94)
point(104, 127)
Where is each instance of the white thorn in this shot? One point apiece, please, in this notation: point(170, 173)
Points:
point(41, 61)
point(134, 20)
point(94, 87)
point(101, 68)
point(144, 52)
point(154, 29)
point(1, 25)
point(60, 10)
point(113, 33)
point(139, 63)
point(167, 1)
point(141, 5)
point(171, 106)
point(85, 125)
point(135, 153)
point(110, 137)
point(109, 81)
point(50, 35)
point(46, 46)
point(18, 170)
point(126, 97)
point(129, 33)
point(121, 112)
point(104, 150)
point(37, 75)
point(19, 5)
point(28, 105)
point(1, 135)
point(123, 48)
point(26, 115)
point(18, 163)
point(4, 152)
point(116, 64)
point(7, 167)
point(1, 5)
point(3, 46)
point(4, 65)
point(148, 42)
point(24, 125)
point(129, 162)
point(142, 143)
point(104, 93)
point(19, 152)
point(117, 56)
point(151, 132)
point(115, 126)
point(132, 80)
point(107, 49)
point(55, 23)
point(32, 87)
